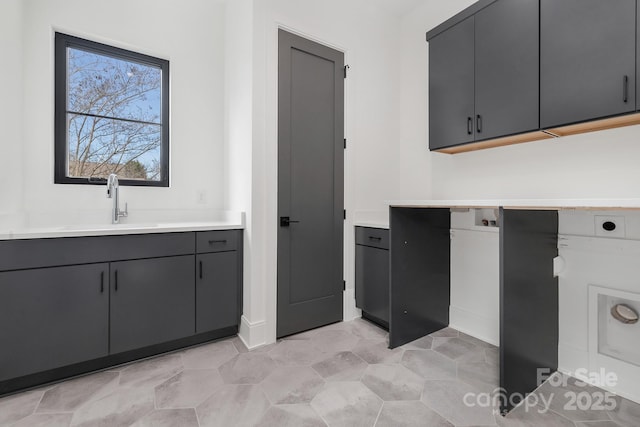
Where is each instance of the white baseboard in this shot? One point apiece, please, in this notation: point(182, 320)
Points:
point(350, 311)
point(571, 358)
point(485, 329)
point(252, 334)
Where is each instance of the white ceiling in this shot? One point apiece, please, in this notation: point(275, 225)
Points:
point(398, 7)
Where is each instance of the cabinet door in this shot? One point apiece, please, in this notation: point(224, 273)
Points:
point(507, 69)
point(587, 60)
point(52, 317)
point(152, 301)
point(372, 282)
point(451, 86)
point(217, 291)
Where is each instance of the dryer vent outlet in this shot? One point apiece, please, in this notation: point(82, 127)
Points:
point(610, 226)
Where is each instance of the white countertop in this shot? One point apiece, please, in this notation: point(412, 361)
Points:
point(560, 204)
point(117, 229)
point(372, 224)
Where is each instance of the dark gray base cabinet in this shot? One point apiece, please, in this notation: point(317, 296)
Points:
point(372, 274)
point(216, 286)
point(52, 317)
point(152, 301)
point(72, 305)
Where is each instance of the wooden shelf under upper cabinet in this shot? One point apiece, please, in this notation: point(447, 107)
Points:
point(574, 129)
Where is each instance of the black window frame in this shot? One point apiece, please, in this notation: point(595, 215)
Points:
point(64, 41)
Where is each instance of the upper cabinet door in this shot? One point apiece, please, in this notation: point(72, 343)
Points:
point(451, 86)
point(506, 68)
point(587, 60)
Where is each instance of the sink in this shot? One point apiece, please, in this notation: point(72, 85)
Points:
point(99, 227)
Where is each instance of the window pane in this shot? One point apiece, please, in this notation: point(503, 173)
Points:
point(99, 147)
point(111, 87)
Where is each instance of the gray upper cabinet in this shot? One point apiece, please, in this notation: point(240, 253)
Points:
point(451, 93)
point(484, 75)
point(506, 68)
point(587, 60)
point(152, 301)
point(52, 317)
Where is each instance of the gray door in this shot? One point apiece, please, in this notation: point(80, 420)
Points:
point(310, 184)
point(587, 60)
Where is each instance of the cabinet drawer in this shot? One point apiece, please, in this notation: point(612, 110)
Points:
point(217, 241)
point(37, 253)
point(375, 237)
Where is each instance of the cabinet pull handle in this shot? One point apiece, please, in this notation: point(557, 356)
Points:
point(470, 125)
point(116, 280)
point(101, 281)
point(201, 269)
point(211, 242)
point(479, 123)
point(375, 238)
point(625, 89)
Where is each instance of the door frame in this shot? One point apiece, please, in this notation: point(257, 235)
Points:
point(265, 330)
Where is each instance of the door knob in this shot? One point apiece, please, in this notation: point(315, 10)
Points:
point(285, 221)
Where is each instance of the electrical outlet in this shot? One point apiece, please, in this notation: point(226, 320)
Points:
point(201, 198)
point(610, 226)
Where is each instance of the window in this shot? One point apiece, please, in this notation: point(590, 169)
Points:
point(111, 114)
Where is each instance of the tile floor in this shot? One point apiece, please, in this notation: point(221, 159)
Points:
point(339, 375)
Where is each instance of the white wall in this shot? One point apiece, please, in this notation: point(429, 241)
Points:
point(11, 109)
point(370, 38)
point(596, 165)
point(475, 275)
point(192, 38)
point(244, 160)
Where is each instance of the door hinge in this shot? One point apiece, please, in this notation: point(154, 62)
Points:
point(344, 285)
point(345, 143)
point(344, 214)
point(346, 67)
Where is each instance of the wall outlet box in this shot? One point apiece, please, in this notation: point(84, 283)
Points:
point(610, 226)
point(201, 197)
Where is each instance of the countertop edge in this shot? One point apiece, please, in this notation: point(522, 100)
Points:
point(559, 204)
point(60, 232)
point(371, 224)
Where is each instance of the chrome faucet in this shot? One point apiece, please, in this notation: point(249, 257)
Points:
point(113, 192)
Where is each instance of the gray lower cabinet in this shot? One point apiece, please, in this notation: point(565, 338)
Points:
point(587, 60)
point(152, 301)
point(52, 317)
point(216, 291)
point(372, 274)
point(72, 305)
